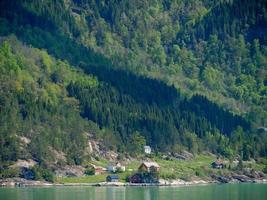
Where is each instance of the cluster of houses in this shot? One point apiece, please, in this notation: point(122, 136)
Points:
point(145, 167)
point(145, 173)
point(139, 177)
point(118, 167)
point(146, 170)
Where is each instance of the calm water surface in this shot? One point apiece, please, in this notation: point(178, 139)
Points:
point(207, 192)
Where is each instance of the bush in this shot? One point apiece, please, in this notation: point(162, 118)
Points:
point(186, 177)
point(89, 171)
point(9, 173)
point(41, 173)
point(200, 172)
point(170, 176)
point(48, 176)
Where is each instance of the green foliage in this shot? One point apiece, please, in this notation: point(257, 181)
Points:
point(201, 171)
point(43, 174)
point(214, 48)
point(36, 106)
point(137, 142)
point(9, 173)
point(204, 47)
point(89, 171)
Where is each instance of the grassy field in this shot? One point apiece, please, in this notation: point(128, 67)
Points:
point(91, 179)
point(173, 169)
point(200, 167)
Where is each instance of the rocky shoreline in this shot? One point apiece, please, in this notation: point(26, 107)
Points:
point(20, 182)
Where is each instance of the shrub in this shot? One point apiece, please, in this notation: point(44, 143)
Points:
point(264, 170)
point(41, 173)
point(170, 176)
point(89, 171)
point(9, 173)
point(201, 172)
point(48, 176)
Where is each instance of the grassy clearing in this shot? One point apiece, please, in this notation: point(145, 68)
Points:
point(91, 179)
point(169, 169)
point(172, 169)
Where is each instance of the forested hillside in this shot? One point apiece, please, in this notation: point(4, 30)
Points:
point(177, 75)
point(213, 48)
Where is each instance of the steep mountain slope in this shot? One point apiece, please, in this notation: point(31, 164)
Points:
point(41, 88)
point(54, 98)
point(35, 105)
point(188, 44)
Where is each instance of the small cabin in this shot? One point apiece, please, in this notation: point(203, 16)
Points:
point(111, 168)
point(112, 178)
point(149, 166)
point(218, 164)
point(147, 149)
point(99, 170)
point(115, 168)
point(120, 167)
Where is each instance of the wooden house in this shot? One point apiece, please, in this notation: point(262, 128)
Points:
point(99, 170)
point(149, 166)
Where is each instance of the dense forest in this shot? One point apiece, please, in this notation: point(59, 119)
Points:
point(179, 75)
point(217, 49)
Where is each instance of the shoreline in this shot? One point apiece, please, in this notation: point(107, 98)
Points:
point(18, 182)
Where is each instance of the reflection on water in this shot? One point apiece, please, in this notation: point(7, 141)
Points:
point(209, 192)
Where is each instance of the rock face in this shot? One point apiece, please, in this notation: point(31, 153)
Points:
point(97, 150)
point(22, 182)
point(25, 140)
point(222, 179)
point(58, 155)
point(185, 155)
point(24, 164)
point(253, 173)
point(70, 171)
point(243, 178)
point(246, 176)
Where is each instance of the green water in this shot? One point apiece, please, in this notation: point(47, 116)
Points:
point(207, 192)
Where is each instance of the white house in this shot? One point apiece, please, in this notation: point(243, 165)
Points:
point(147, 149)
point(120, 167)
point(115, 168)
point(111, 168)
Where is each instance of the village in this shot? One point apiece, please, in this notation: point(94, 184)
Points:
point(148, 168)
point(169, 169)
point(147, 172)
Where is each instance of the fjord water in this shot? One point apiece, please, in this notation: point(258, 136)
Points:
point(207, 192)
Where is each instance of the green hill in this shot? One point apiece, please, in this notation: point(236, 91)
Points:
point(177, 75)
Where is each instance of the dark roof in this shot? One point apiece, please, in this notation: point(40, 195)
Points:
point(113, 176)
point(150, 164)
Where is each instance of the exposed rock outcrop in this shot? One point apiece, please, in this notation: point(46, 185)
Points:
point(70, 171)
point(24, 164)
point(185, 155)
